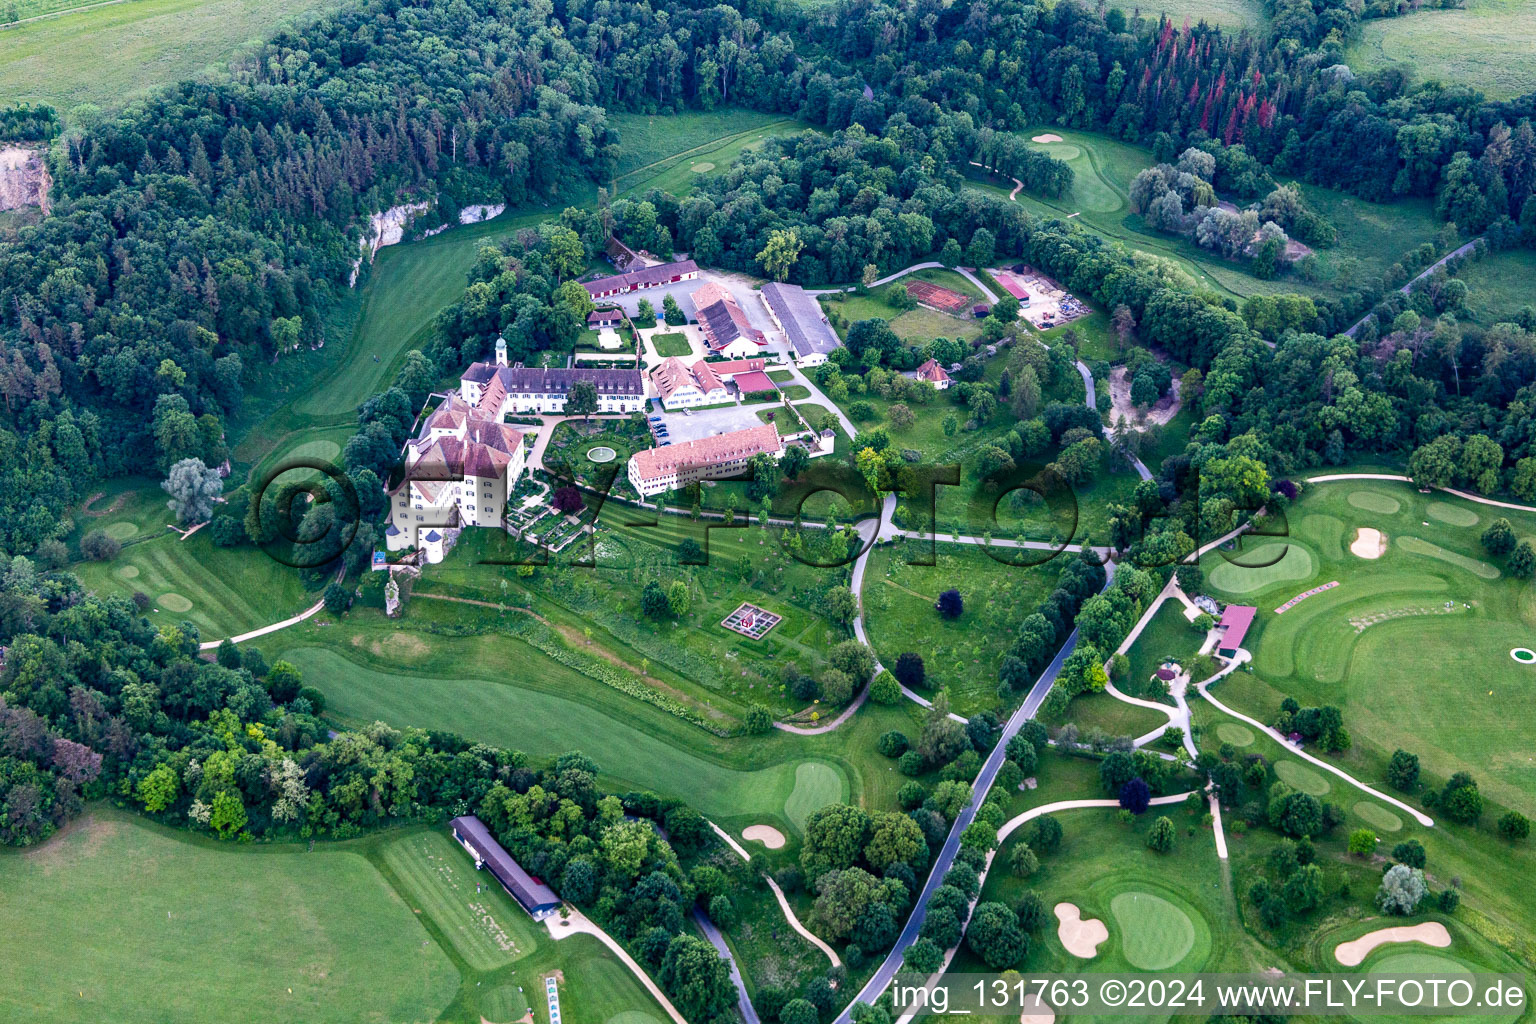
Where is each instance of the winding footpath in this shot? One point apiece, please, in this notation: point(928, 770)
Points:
point(1329, 478)
point(969, 275)
point(946, 858)
point(1291, 748)
point(800, 929)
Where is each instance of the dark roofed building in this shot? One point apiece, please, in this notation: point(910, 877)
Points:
point(498, 390)
point(605, 318)
point(531, 894)
point(726, 329)
point(799, 316)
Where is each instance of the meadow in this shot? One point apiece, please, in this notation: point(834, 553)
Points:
point(305, 936)
point(1371, 236)
point(1168, 636)
point(1500, 285)
point(106, 54)
point(1413, 646)
point(1229, 14)
point(1478, 45)
point(961, 655)
point(917, 326)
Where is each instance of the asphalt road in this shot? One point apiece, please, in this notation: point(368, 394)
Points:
point(946, 858)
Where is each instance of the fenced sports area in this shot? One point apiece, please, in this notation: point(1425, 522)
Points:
point(938, 297)
point(751, 621)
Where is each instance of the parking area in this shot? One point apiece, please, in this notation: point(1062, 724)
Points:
point(693, 424)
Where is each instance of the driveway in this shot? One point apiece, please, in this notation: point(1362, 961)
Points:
point(690, 426)
point(739, 287)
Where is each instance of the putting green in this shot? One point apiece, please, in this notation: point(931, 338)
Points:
point(1299, 776)
point(174, 603)
point(1418, 546)
point(633, 1017)
point(1375, 501)
point(1453, 514)
point(1378, 817)
point(127, 572)
point(1059, 150)
point(702, 167)
point(1290, 561)
point(1154, 934)
point(816, 786)
point(1420, 964)
point(1237, 735)
point(121, 530)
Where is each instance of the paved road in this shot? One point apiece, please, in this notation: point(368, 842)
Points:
point(946, 858)
point(743, 1002)
point(1407, 288)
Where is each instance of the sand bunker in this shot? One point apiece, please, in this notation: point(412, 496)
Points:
point(1368, 543)
point(1036, 1012)
point(765, 834)
point(1082, 938)
point(1046, 138)
point(1431, 933)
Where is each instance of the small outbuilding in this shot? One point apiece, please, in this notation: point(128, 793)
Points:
point(531, 894)
point(1232, 627)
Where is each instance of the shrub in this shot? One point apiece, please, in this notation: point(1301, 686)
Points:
point(1362, 842)
point(758, 721)
point(99, 547)
point(893, 743)
point(1514, 825)
point(1045, 834)
point(885, 690)
point(1461, 800)
point(1449, 900)
point(910, 795)
point(950, 604)
point(1410, 853)
point(1403, 770)
point(1160, 836)
point(910, 763)
point(1023, 861)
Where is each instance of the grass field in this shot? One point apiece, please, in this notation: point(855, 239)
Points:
point(671, 344)
point(1411, 644)
point(961, 655)
point(1231, 14)
point(669, 152)
point(1500, 285)
point(370, 669)
point(916, 326)
point(1372, 235)
point(223, 591)
point(282, 933)
point(1478, 45)
point(1114, 716)
point(111, 53)
point(1168, 635)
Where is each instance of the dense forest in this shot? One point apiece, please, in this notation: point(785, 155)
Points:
point(209, 226)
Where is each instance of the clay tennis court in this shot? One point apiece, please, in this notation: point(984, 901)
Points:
point(942, 299)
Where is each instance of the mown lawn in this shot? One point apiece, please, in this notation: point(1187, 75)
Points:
point(1168, 635)
point(223, 591)
point(371, 668)
point(961, 655)
point(1413, 646)
point(126, 921)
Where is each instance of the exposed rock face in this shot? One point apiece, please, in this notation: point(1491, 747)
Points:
point(24, 178)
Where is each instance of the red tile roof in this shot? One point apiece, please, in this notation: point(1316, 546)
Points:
point(932, 371)
point(756, 380)
point(707, 451)
point(1234, 622)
